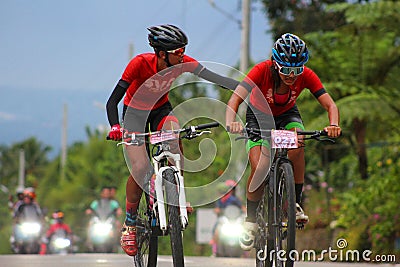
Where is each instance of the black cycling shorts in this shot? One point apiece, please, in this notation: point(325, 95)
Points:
point(136, 120)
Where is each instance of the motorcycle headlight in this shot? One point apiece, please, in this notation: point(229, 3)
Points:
point(102, 229)
point(62, 243)
point(232, 229)
point(30, 228)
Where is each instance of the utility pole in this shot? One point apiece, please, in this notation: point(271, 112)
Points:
point(244, 25)
point(63, 158)
point(131, 51)
point(245, 36)
point(21, 172)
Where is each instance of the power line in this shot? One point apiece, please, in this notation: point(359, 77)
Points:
point(226, 14)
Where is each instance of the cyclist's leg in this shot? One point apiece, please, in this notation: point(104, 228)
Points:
point(139, 165)
point(260, 161)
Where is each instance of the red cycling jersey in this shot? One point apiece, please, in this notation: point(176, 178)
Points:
point(147, 94)
point(58, 226)
point(260, 75)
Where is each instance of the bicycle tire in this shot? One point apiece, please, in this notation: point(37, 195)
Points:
point(261, 242)
point(147, 242)
point(282, 221)
point(174, 223)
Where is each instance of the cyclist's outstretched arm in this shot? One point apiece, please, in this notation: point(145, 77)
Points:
point(112, 102)
point(211, 76)
point(233, 105)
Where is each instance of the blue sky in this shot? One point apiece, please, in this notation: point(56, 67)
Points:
point(82, 46)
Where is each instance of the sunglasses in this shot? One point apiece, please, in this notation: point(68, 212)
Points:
point(177, 52)
point(287, 70)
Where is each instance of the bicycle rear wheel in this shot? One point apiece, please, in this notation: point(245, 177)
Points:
point(174, 222)
point(147, 241)
point(282, 221)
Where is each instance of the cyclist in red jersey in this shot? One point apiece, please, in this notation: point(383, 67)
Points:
point(57, 225)
point(145, 83)
point(274, 86)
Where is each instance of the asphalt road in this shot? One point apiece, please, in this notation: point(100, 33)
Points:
point(119, 260)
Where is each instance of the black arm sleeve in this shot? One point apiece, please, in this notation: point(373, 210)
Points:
point(225, 82)
point(319, 92)
point(112, 103)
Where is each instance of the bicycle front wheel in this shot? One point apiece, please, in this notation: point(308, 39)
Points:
point(282, 217)
point(174, 223)
point(147, 242)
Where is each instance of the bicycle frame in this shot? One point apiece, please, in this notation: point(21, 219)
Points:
point(164, 154)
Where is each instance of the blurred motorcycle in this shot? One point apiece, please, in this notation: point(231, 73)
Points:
point(27, 232)
point(102, 236)
point(60, 243)
point(229, 229)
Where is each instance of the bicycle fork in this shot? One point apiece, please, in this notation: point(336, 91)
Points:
point(160, 197)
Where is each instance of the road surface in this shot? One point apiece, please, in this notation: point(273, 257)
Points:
point(119, 260)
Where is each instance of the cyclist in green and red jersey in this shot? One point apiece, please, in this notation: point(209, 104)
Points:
point(145, 83)
point(274, 86)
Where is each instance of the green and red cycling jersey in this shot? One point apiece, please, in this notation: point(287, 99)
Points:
point(149, 88)
point(261, 76)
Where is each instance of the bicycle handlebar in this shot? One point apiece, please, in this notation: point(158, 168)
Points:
point(206, 125)
point(308, 134)
point(190, 130)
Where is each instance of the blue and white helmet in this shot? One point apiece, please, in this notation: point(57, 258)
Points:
point(290, 51)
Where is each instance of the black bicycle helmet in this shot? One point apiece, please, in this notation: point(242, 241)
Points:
point(290, 51)
point(167, 37)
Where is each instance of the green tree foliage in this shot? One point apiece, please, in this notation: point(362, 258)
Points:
point(89, 166)
point(375, 203)
point(36, 162)
point(358, 63)
point(301, 17)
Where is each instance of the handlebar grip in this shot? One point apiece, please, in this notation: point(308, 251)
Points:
point(207, 125)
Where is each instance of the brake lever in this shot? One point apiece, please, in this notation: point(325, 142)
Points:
point(327, 139)
point(132, 143)
point(322, 139)
point(195, 134)
point(203, 132)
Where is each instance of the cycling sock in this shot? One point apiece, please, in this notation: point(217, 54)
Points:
point(298, 188)
point(131, 213)
point(251, 210)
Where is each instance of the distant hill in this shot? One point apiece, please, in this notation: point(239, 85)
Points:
point(39, 113)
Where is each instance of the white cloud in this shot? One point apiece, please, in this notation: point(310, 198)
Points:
point(99, 105)
point(7, 116)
